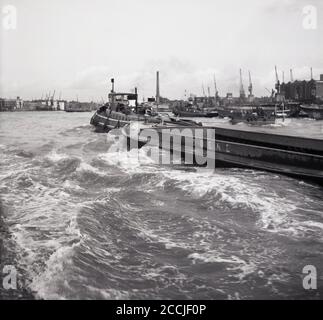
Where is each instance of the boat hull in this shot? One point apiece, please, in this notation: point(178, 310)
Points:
point(315, 113)
point(105, 122)
point(188, 114)
point(293, 156)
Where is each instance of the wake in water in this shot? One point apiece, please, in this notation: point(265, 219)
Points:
point(88, 219)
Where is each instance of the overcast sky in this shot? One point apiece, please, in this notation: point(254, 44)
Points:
point(76, 46)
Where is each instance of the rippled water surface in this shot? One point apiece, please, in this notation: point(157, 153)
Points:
point(83, 218)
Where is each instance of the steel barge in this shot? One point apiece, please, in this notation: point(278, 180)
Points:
point(290, 155)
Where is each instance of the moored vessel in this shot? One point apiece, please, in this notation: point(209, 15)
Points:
point(217, 147)
point(314, 111)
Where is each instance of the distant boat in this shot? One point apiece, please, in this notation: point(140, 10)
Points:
point(191, 112)
point(314, 111)
point(76, 106)
point(257, 116)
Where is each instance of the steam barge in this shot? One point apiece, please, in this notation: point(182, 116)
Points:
point(290, 155)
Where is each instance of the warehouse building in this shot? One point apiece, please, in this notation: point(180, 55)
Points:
point(303, 91)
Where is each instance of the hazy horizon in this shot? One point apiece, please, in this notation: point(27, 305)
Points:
point(75, 47)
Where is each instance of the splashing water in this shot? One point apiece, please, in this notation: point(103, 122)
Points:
point(84, 218)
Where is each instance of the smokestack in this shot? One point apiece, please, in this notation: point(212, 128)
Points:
point(112, 82)
point(157, 87)
point(136, 93)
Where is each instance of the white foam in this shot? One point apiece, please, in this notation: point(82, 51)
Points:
point(69, 184)
point(134, 161)
point(53, 156)
point(273, 210)
point(109, 294)
point(85, 167)
point(46, 284)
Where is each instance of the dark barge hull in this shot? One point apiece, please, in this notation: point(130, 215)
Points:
point(188, 114)
point(260, 122)
point(315, 113)
point(115, 120)
point(293, 156)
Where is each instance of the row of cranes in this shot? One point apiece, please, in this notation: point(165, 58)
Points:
point(242, 93)
point(50, 98)
point(241, 90)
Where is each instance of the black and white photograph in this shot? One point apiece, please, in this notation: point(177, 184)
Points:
point(161, 150)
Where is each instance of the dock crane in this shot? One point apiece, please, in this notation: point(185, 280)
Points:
point(272, 92)
point(215, 91)
point(52, 99)
point(203, 90)
point(242, 92)
point(250, 87)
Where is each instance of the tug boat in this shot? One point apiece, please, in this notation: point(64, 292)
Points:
point(122, 109)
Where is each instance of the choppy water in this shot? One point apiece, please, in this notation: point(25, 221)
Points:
point(83, 218)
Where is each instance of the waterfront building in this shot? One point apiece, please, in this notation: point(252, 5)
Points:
point(10, 104)
point(303, 91)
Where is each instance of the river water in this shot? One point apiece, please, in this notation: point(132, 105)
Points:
point(82, 218)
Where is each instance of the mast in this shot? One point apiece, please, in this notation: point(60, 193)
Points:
point(52, 99)
point(157, 88)
point(277, 86)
